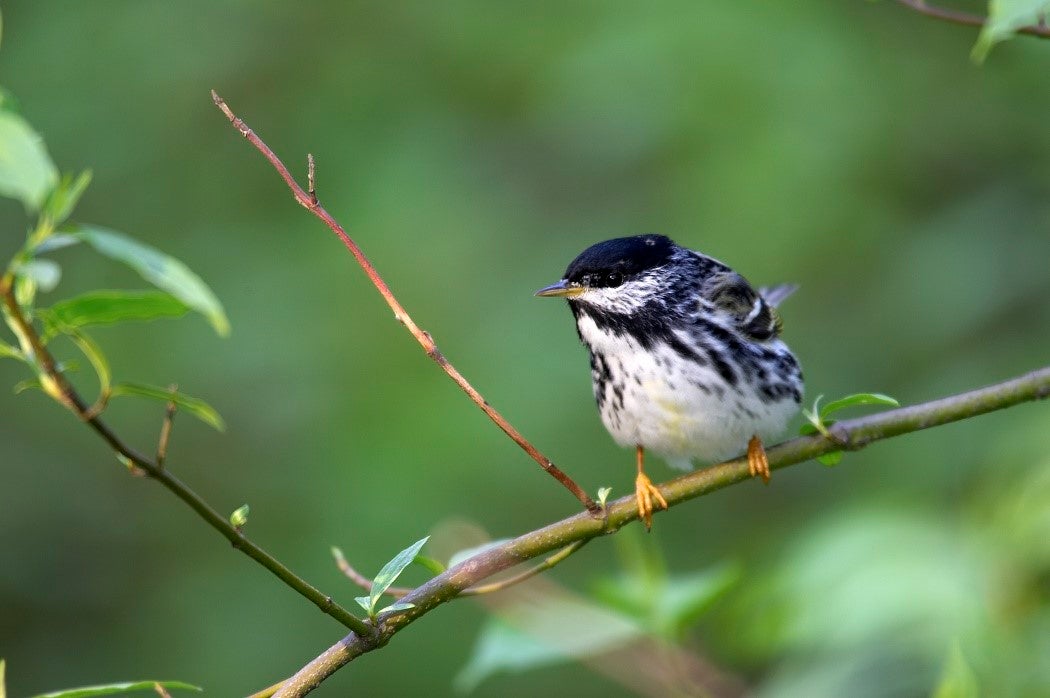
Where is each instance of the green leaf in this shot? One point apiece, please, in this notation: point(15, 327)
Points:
point(399, 606)
point(1004, 18)
point(957, 678)
point(429, 563)
point(115, 688)
point(9, 352)
point(239, 517)
point(534, 635)
point(603, 495)
point(830, 458)
point(27, 384)
point(26, 170)
point(668, 605)
point(856, 399)
point(111, 307)
point(164, 272)
point(393, 569)
point(365, 602)
point(98, 360)
point(55, 241)
point(64, 196)
point(45, 273)
point(195, 406)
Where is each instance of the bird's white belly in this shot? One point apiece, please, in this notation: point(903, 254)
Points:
point(681, 410)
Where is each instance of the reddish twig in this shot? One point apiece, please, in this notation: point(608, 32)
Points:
point(308, 200)
point(969, 20)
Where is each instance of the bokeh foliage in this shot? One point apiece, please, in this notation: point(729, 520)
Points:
point(473, 149)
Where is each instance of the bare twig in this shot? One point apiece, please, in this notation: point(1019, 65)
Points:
point(851, 435)
point(165, 428)
point(967, 19)
point(56, 385)
point(425, 340)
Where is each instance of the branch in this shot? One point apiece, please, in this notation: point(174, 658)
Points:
point(400, 592)
point(967, 19)
point(308, 199)
point(56, 385)
point(850, 435)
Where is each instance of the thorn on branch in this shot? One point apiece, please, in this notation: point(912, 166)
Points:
point(311, 179)
point(165, 427)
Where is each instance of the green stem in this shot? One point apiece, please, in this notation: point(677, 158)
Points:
point(852, 434)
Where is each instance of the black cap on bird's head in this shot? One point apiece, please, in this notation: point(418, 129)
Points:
point(608, 264)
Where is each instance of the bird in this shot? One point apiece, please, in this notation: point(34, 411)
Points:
point(686, 356)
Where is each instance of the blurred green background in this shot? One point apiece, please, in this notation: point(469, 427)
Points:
point(473, 149)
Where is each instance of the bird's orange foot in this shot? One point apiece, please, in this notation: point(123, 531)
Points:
point(757, 463)
point(646, 494)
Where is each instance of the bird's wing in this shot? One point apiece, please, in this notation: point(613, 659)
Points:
point(752, 312)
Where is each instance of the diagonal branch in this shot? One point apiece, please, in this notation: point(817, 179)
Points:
point(851, 435)
point(967, 19)
point(308, 199)
point(56, 385)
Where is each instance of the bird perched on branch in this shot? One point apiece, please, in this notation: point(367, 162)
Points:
point(686, 357)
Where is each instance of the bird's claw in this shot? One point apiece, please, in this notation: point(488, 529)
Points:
point(757, 462)
point(646, 494)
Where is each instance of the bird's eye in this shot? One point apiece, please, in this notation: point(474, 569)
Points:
point(614, 278)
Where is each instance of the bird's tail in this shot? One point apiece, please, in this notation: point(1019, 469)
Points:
point(774, 295)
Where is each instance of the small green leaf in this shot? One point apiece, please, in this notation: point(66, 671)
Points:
point(164, 272)
point(115, 688)
point(110, 307)
point(65, 195)
point(195, 406)
point(830, 458)
point(9, 352)
point(603, 495)
point(1004, 18)
point(393, 569)
point(239, 517)
point(55, 241)
point(429, 563)
point(45, 273)
point(365, 602)
point(856, 399)
point(26, 170)
point(957, 678)
point(395, 607)
point(98, 360)
point(27, 384)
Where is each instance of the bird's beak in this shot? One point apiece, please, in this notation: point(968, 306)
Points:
point(562, 288)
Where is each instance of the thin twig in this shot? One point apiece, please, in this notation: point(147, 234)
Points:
point(967, 19)
point(850, 434)
point(59, 388)
point(424, 338)
point(165, 427)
